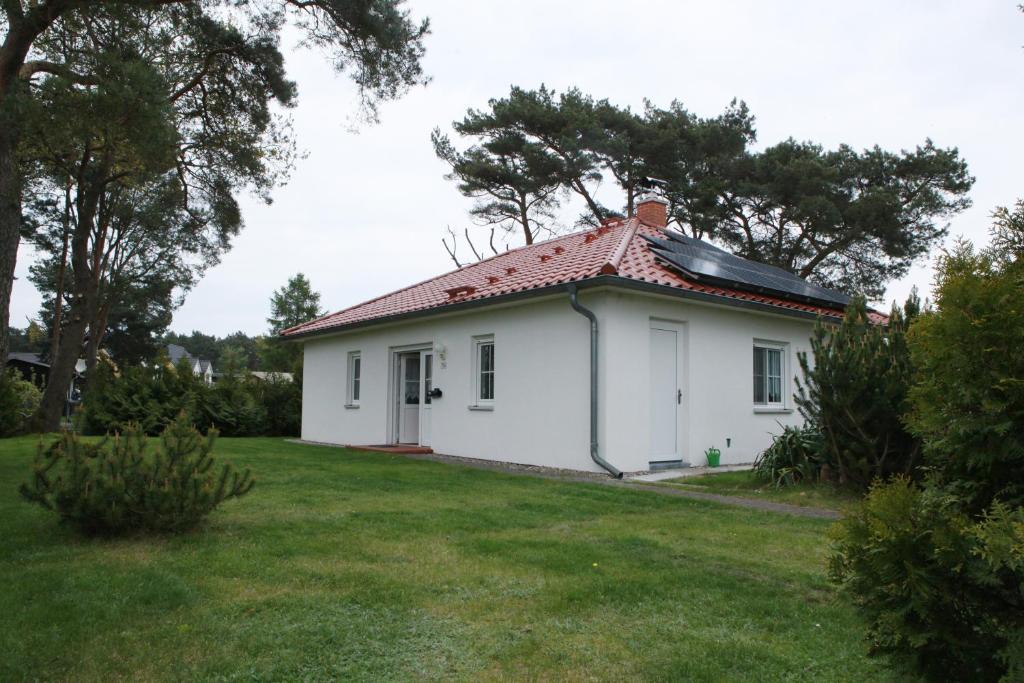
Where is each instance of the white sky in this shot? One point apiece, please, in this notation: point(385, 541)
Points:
point(365, 211)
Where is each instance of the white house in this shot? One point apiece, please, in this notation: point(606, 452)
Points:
point(201, 367)
point(623, 348)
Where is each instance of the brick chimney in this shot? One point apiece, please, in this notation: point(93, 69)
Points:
point(652, 211)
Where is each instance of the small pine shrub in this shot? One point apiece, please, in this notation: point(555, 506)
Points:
point(795, 455)
point(856, 392)
point(938, 587)
point(116, 486)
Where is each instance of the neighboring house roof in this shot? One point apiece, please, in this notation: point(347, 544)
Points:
point(617, 253)
point(176, 352)
point(26, 357)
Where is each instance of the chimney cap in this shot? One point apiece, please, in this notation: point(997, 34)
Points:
point(647, 198)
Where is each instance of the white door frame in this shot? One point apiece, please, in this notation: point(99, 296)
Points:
point(426, 403)
point(682, 382)
point(394, 414)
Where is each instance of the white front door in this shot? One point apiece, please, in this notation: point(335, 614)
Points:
point(666, 394)
point(427, 372)
point(409, 398)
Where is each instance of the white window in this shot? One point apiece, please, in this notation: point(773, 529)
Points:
point(769, 374)
point(483, 366)
point(355, 370)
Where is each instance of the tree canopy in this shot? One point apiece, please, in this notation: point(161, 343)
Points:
point(174, 89)
point(841, 218)
point(140, 123)
point(292, 304)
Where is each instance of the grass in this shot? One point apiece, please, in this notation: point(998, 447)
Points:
point(745, 484)
point(357, 566)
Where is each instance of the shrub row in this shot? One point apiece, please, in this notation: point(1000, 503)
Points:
point(152, 397)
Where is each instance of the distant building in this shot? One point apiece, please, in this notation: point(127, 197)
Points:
point(33, 368)
point(272, 376)
point(200, 366)
point(29, 365)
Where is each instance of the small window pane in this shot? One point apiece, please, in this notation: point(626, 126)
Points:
point(355, 370)
point(759, 375)
point(774, 375)
point(486, 370)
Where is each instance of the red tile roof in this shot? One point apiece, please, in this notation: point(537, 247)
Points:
point(616, 249)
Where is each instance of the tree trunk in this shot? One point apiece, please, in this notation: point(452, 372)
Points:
point(58, 300)
point(10, 224)
point(82, 311)
point(97, 328)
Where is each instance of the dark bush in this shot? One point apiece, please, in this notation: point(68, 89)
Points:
point(151, 397)
point(939, 570)
point(968, 401)
point(18, 401)
point(231, 407)
point(938, 587)
point(795, 455)
point(855, 394)
point(282, 401)
point(115, 486)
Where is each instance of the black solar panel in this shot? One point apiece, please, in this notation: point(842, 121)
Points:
point(705, 262)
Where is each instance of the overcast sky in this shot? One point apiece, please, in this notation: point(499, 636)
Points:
point(365, 211)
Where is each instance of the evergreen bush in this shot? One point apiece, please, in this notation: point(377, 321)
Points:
point(968, 401)
point(282, 401)
point(939, 570)
point(116, 486)
point(151, 397)
point(18, 402)
point(938, 587)
point(856, 393)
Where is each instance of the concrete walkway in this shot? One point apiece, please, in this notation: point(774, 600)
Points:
point(635, 484)
point(662, 475)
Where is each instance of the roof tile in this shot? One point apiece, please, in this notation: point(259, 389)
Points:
point(616, 248)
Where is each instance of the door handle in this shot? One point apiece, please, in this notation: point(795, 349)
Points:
point(679, 396)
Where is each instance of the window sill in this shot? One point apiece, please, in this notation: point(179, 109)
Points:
point(483, 407)
point(772, 409)
point(351, 406)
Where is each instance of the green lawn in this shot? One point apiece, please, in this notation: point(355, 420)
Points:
point(747, 485)
point(343, 565)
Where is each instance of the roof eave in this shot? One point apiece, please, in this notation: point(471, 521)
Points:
point(588, 283)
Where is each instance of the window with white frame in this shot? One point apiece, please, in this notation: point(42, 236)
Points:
point(483, 369)
point(355, 370)
point(769, 374)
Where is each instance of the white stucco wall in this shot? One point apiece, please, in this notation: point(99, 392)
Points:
point(718, 405)
point(541, 407)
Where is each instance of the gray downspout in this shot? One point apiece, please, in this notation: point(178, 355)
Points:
point(594, 451)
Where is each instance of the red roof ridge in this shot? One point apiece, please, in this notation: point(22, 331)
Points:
point(611, 266)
